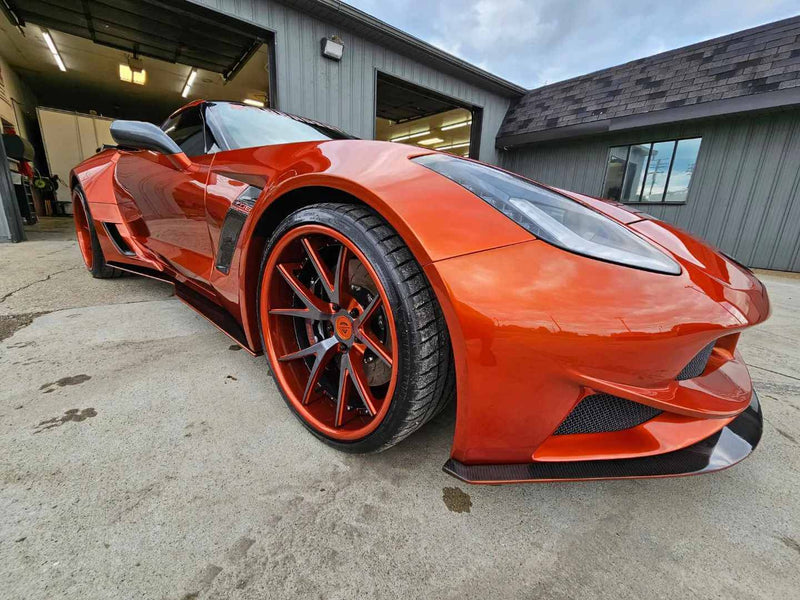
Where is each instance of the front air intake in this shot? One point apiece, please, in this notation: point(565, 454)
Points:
point(698, 364)
point(602, 413)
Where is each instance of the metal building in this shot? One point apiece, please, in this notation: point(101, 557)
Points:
point(320, 59)
point(706, 137)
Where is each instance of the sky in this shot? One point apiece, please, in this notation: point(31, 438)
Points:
point(536, 42)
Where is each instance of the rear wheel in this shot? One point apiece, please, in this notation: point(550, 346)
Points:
point(88, 243)
point(351, 327)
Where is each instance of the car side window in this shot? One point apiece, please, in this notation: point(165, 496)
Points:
point(188, 131)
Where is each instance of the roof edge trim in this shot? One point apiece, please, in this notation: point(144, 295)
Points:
point(717, 108)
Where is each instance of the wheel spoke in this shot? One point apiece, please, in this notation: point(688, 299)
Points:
point(340, 279)
point(365, 336)
point(342, 392)
point(313, 350)
point(369, 311)
point(322, 352)
point(319, 267)
point(376, 346)
point(315, 308)
point(359, 377)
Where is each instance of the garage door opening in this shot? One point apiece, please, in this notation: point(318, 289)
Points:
point(413, 115)
point(84, 64)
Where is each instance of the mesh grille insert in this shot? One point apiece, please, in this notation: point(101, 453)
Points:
point(697, 365)
point(601, 413)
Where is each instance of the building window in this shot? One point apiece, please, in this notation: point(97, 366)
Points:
point(655, 172)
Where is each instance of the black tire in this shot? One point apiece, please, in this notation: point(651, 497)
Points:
point(426, 372)
point(96, 264)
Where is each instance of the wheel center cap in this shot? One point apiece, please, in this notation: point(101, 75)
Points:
point(343, 326)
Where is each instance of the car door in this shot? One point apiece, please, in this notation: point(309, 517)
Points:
point(171, 199)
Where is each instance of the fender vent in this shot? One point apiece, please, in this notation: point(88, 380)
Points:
point(116, 238)
point(601, 413)
point(698, 364)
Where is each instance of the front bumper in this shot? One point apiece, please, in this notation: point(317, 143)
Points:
point(535, 330)
point(732, 444)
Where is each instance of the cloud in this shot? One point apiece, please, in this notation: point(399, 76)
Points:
point(534, 42)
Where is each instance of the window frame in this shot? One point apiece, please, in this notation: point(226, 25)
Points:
point(207, 128)
point(651, 143)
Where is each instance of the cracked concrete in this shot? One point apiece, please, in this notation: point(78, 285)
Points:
point(176, 471)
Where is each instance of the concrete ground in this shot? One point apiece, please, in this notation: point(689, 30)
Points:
point(141, 456)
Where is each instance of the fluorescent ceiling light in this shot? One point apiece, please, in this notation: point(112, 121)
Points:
point(429, 141)
point(455, 125)
point(401, 138)
point(53, 49)
point(251, 102)
point(189, 82)
point(451, 146)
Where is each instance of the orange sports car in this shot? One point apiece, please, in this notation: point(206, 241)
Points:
point(580, 338)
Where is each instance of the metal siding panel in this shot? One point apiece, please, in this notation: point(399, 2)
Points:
point(343, 93)
point(782, 190)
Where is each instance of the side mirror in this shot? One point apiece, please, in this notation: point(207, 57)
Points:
point(139, 135)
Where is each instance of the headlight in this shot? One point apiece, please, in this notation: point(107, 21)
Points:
point(552, 217)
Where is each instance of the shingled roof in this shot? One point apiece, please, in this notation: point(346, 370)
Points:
point(748, 70)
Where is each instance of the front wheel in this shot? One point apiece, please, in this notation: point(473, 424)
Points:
point(351, 327)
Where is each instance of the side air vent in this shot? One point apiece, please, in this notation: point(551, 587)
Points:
point(232, 226)
point(602, 413)
point(698, 364)
point(116, 238)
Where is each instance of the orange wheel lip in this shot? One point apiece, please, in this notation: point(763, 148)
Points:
point(268, 322)
point(82, 229)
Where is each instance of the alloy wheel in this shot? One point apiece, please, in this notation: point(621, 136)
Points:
point(330, 332)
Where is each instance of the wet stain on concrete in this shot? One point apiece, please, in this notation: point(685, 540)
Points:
point(46, 388)
point(234, 347)
point(10, 324)
point(72, 415)
point(231, 377)
point(456, 500)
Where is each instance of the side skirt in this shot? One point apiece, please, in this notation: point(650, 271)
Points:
point(730, 445)
point(218, 316)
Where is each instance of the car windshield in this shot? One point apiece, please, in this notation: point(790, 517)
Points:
point(243, 126)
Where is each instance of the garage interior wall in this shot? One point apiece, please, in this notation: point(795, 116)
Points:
point(343, 93)
point(16, 102)
point(744, 196)
point(15, 98)
point(69, 138)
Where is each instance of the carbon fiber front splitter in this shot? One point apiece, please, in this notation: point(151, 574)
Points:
point(730, 445)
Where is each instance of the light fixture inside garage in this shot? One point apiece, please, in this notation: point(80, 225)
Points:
point(53, 50)
point(133, 72)
point(402, 138)
point(189, 81)
point(429, 141)
point(455, 125)
point(251, 102)
point(332, 47)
